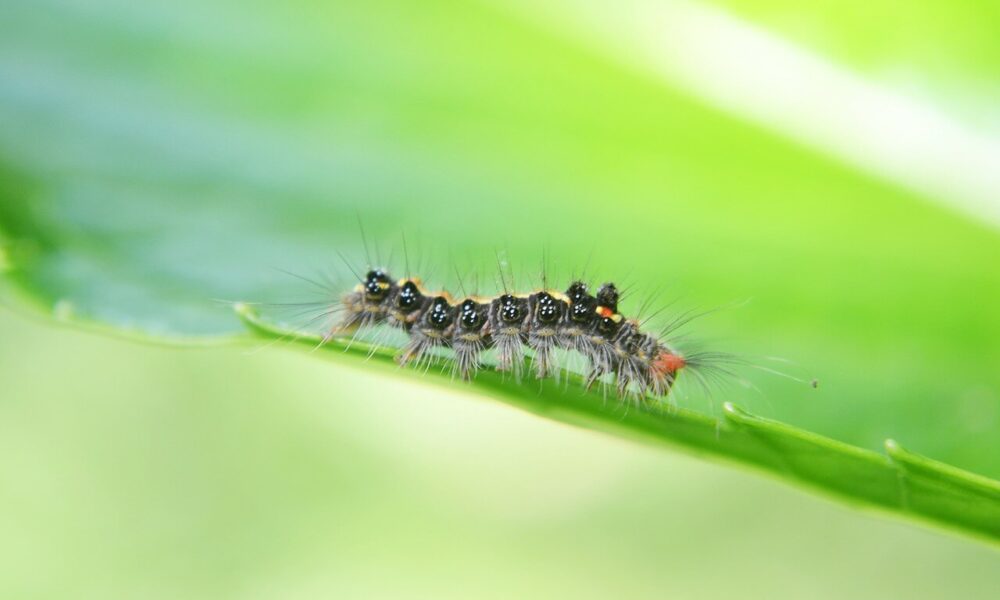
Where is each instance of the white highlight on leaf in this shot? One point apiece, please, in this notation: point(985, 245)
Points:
point(747, 71)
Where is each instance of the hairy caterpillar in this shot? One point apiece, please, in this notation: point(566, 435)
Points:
point(511, 323)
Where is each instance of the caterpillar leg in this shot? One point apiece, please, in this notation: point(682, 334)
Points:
point(510, 355)
point(414, 351)
point(407, 355)
point(466, 360)
point(543, 360)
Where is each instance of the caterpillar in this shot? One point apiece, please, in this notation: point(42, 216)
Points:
point(510, 323)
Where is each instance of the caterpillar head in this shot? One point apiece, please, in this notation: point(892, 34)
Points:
point(376, 286)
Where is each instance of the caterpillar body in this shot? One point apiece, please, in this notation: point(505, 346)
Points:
point(509, 323)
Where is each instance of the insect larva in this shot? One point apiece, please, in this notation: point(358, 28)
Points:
point(541, 322)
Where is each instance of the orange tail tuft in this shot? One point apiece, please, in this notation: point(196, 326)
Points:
point(667, 363)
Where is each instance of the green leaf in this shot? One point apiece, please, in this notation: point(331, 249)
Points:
point(157, 157)
point(902, 481)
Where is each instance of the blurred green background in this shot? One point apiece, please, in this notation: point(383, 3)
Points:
point(141, 472)
point(157, 156)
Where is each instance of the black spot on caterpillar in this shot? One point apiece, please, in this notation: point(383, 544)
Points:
point(541, 321)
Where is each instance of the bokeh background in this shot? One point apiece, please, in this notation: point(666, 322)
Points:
point(829, 170)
